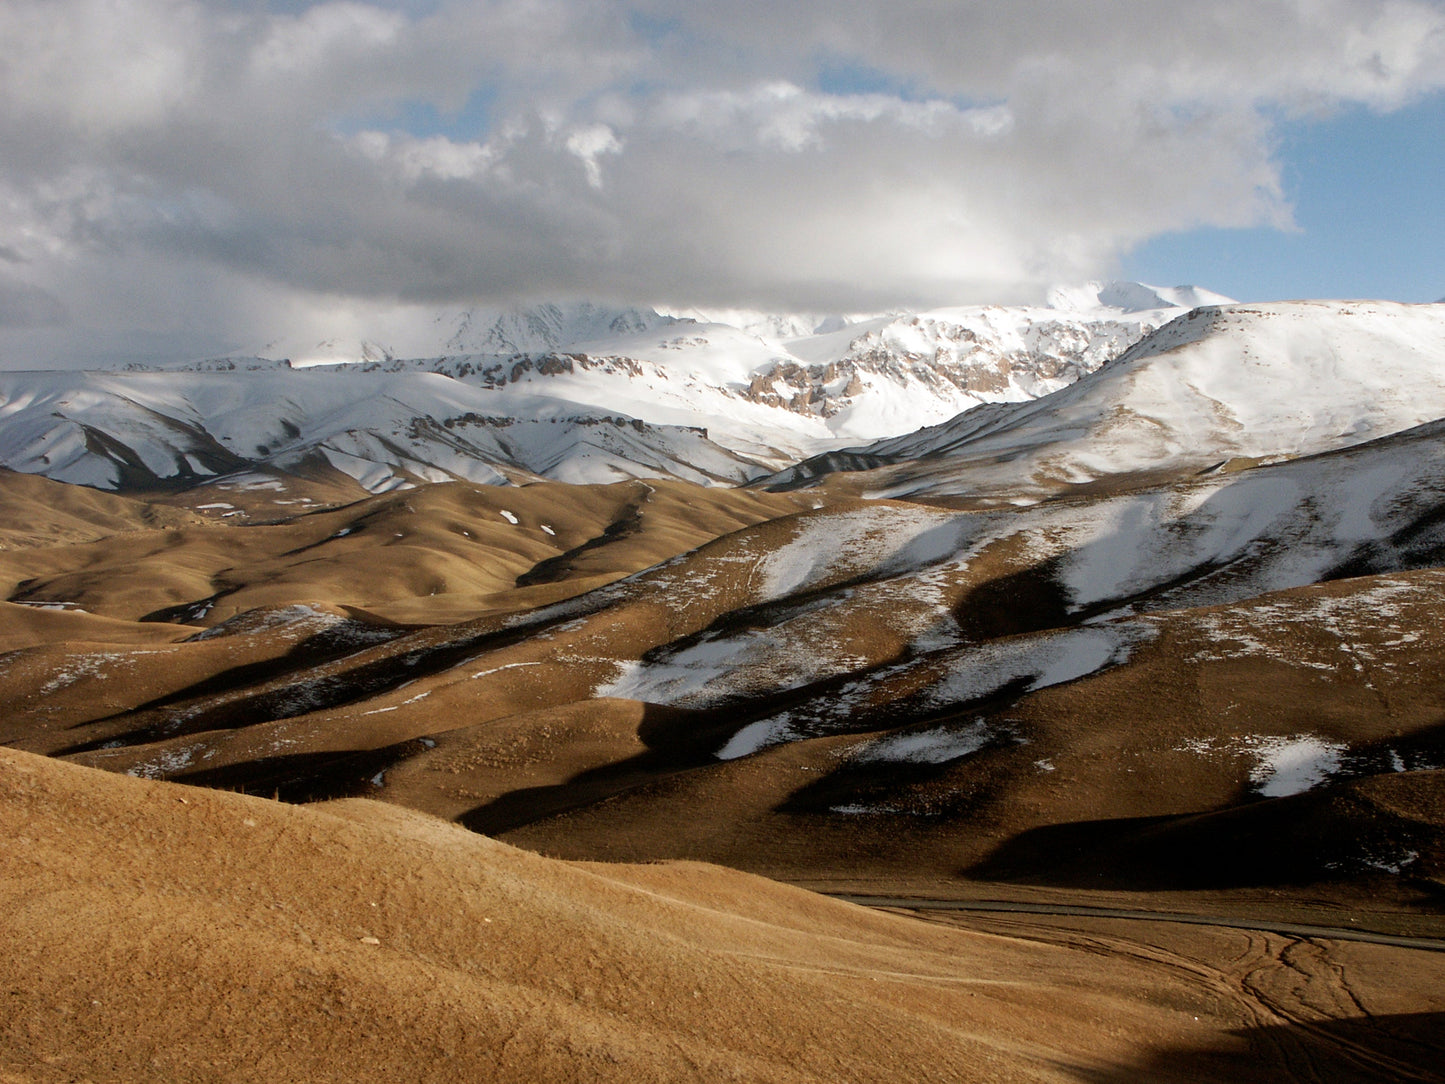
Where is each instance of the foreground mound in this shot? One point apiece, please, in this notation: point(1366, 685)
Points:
point(163, 932)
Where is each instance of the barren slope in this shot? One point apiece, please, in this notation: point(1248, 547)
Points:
point(873, 691)
point(438, 554)
point(166, 932)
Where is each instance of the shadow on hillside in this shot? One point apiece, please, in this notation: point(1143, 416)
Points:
point(322, 776)
point(299, 778)
point(231, 699)
point(1338, 832)
point(527, 805)
point(626, 522)
point(1399, 1047)
point(677, 741)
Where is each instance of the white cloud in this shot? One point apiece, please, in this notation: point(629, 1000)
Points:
point(589, 143)
point(842, 154)
point(779, 115)
point(324, 36)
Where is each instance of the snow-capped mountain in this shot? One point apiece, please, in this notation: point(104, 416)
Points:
point(384, 429)
point(1219, 387)
point(536, 329)
point(843, 377)
point(579, 393)
point(544, 328)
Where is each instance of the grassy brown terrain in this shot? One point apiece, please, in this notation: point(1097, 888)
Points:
point(165, 932)
point(870, 697)
point(438, 554)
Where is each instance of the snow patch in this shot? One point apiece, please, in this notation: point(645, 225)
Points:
point(851, 543)
point(1042, 661)
point(1293, 765)
point(755, 737)
point(95, 666)
point(167, 762)
point(1283, 764)
point(499, 669)
point(936, 745)
point(1395, 863)
point(51, 604)
point(298, 619)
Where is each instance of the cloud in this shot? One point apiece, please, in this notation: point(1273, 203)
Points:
point(829, 155)
point(25, 306)
point(590, 143)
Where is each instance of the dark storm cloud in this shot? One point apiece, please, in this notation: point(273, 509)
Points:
point(26, 306)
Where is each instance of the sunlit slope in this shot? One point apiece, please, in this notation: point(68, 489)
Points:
point(1217, 388)
point(871, 668)
point(433, 555)
point(236, 610)
point(192, 935)
point(36, 511)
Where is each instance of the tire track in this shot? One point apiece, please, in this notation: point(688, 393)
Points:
point(1285, 982)
point(1297, 930)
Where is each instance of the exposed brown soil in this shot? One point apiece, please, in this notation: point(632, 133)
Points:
point(300, 653)
point(439, 554)
point(165, 932)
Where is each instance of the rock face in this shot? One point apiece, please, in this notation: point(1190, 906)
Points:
point(984, 356)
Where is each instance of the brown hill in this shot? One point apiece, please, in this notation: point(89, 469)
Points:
point(36, 511)
point(872, 693)
point(442, 553)
point(163, 932)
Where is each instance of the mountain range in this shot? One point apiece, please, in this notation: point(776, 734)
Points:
point(581, 394)
point(1120, 616)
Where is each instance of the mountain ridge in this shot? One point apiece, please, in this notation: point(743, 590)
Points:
point(705, 402)
point(1220, 384)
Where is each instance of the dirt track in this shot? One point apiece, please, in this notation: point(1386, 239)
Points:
point(1292, 929)
point(1321, 1009)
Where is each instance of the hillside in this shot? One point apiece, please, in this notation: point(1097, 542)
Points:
point(824, 676)
point(1147, 662)
point(193, 935)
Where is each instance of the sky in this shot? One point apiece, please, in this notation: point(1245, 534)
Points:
point(1367, 196)
point(183, 178)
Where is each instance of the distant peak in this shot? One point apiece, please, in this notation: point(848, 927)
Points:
point(541, 328)
point(781, 326)
point(1131, 297)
